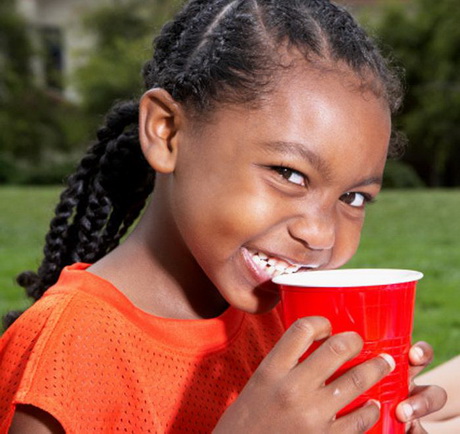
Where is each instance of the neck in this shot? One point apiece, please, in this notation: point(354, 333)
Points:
point(149, 271)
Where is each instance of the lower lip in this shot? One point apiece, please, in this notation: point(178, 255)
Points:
point(258, 275)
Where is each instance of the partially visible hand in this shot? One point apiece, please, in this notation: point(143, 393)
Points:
point(284, 395)
point(422, 400)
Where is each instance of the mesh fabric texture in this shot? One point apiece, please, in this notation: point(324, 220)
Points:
point(86, 355)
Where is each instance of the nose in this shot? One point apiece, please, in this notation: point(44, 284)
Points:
point(315, 230)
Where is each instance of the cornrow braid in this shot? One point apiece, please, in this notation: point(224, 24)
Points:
point(212, 52)
point(229, 50)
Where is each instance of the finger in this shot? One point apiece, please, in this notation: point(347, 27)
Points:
point(420, 356)
point(295, 341)
point(330, 356)
point(360, 420)
point(358, 379)
point(423, 401)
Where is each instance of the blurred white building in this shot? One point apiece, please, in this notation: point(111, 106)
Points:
point(55, 28)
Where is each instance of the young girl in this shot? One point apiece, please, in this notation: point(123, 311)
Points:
point(265, 127)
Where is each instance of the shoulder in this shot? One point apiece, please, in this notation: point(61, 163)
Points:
point(37, 321)
point(44, 327)
point(64, 302)
point(22, 348)
point(60, 352)
point(77, 300)
point(46, 353)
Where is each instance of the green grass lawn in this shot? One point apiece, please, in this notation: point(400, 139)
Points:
point(420, 229)
point(24, 218)
point(416, 229)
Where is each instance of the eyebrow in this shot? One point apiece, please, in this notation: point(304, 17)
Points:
point(368, 181)
point(301, 150)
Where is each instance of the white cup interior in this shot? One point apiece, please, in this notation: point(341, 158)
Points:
point(349, 277)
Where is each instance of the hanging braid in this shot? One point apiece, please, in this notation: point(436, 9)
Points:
point(213, 52)
point(103, 198)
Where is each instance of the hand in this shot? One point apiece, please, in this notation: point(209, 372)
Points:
point(284, 395)
point(422, 400)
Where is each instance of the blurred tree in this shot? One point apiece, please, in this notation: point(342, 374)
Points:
point(15, 53)
point(123, 31)
point(34, 125)
point(15, 48)
point(42, 134)
point(425, 38)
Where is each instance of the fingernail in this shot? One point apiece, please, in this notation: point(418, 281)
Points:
point(417, 353)
point(389, 360)
point(375, 402)
point(407, 410)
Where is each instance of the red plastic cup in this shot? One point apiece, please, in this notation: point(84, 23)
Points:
point(376, 303)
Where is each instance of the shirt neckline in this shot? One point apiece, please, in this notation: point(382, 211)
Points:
point(185, 334)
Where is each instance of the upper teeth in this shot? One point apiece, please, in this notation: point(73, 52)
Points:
point(274, 266)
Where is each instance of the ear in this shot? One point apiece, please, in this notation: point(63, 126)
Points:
point(159, 121)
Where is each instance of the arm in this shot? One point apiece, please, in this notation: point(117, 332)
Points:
point(447, 376)
point(443, 427)
point(30, 419)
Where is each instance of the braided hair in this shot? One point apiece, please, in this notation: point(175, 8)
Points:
point(213, 52)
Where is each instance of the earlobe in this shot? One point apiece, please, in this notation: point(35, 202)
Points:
point(159, 120)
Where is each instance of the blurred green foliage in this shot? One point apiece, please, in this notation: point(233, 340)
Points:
point(123, 42)
point(424, 37)
point(39, 131)
point(42, 135)
point(401, 175)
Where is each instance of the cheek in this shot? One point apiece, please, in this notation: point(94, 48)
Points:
point(240, 217)
point(221, 218)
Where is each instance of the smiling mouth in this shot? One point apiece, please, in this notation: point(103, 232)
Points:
point(273, 267)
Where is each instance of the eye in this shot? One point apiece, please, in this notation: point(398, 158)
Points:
point(357, 200)
point(291, 175)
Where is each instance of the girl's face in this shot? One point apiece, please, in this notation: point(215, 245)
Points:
point(255, 193)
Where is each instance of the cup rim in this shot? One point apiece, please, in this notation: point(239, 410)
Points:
point(349, 277)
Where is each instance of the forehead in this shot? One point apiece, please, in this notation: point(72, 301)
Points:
point(327, 111)
point(334, 94)
point(308, 103)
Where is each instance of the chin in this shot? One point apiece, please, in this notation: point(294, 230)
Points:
point(261, 300)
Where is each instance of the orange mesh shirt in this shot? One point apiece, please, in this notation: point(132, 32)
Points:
point(86, 355)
